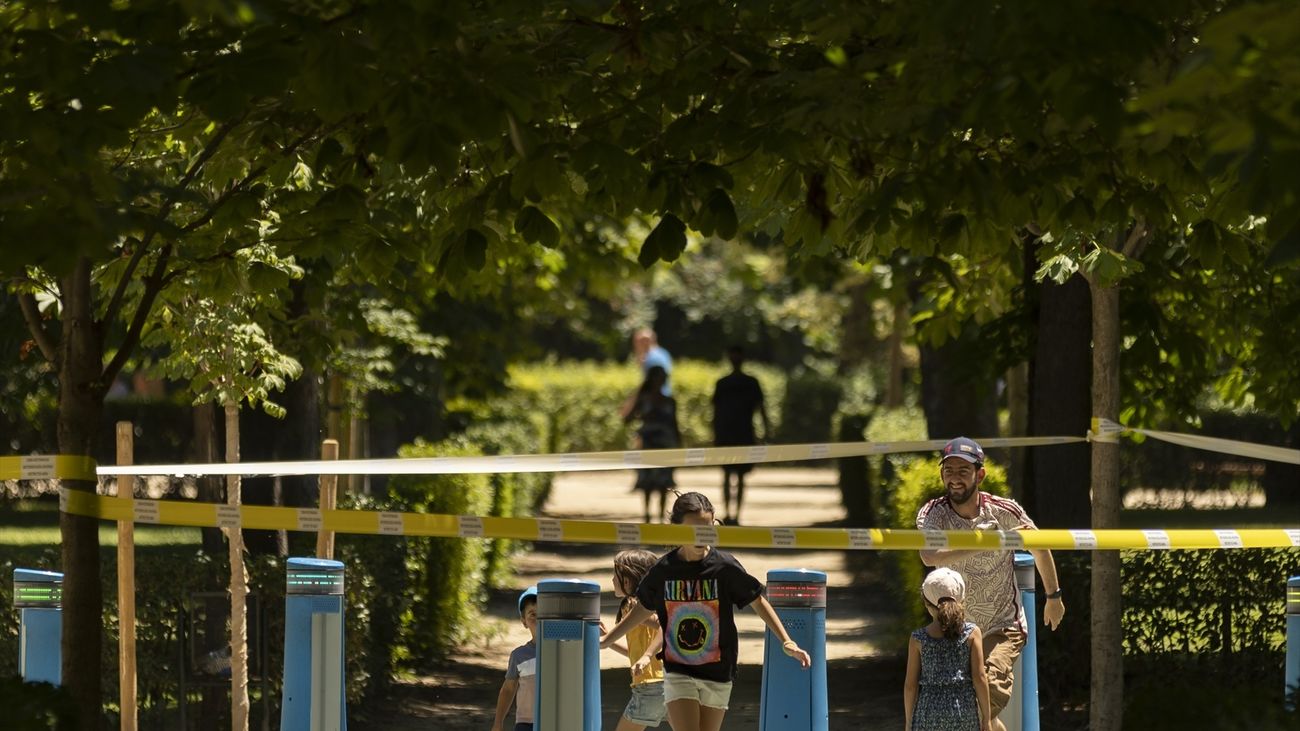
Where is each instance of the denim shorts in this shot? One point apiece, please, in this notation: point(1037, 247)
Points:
point(646, 706)
point(709, 693)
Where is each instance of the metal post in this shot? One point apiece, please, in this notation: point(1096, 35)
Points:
point(1021, 714)
point(314, 695)
point(1292, 640)
point(568, 656)
point(38, 597)
point(794, 698)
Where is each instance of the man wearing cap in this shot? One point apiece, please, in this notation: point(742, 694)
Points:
point(992, 599)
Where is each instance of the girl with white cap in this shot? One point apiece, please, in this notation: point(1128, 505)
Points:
point(946, 689)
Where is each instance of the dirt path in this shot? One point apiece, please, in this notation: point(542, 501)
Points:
point(864, 677)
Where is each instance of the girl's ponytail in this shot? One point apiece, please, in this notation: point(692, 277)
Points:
point(952, 618)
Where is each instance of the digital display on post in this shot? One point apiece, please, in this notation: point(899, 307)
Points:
point(314, 581)
point(782, 594)
point(33, 594)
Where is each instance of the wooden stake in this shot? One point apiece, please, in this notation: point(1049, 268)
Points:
point(126, 581)
point(329, 450)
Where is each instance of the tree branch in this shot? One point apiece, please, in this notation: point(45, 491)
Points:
point(153, 284)
point(1136, 236)
point(210, 149)
point(243, 183)
point(32, 314)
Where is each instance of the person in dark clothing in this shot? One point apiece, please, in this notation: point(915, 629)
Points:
point(658, 430)
point(736, 397)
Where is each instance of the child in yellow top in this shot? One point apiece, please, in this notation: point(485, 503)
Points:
point(646, 706)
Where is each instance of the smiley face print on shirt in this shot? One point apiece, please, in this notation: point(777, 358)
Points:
point(693, 621)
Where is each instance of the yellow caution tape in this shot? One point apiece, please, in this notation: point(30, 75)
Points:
point(171, 512)
point(47, 467)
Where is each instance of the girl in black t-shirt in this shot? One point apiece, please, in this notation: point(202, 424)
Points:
point(694, 590)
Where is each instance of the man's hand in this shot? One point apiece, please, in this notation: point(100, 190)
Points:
point(1053, 611)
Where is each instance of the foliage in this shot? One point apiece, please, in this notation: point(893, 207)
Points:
point(226, 357)
point(810, 401)
point(34, 706)
point(1203, 633)
point(446, 575)
point(514, 495)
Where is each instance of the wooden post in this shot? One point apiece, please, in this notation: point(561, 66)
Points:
point(329, 450)
point(126, 581)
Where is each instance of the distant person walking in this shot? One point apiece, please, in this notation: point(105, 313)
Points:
point(736, 397)
point(658, 415)
point(648, 352)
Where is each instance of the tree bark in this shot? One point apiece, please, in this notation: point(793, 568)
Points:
point(1107, 699)
point(958, 399)
point(206, 432)
point(1018, 406)
point(894, 387)
point(1060, 404)
point(238, 587)
point(81, 402)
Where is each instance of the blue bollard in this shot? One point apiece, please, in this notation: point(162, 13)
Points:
point(1292, 640)
point(39, 597)
point(1022, 713)
point(794, 698)
point(568, 655)
point(313, 647)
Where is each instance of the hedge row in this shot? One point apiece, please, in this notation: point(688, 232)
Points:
point(575, 406)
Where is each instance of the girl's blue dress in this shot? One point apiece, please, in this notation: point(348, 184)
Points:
point(946, 701)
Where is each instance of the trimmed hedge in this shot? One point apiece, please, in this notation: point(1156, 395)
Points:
point(574, 406)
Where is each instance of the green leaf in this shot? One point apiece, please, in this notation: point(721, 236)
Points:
point(536, 227)
point(666, 242)
point(475, 249)
point(717, 216)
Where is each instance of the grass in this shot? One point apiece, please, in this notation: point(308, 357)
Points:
point(36, 523)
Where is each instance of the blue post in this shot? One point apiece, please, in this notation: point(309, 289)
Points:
point(1022, 713)
point(568, 655)
point(39, 597)
point(794, 698)
point(1292, 640)
point(313, 647)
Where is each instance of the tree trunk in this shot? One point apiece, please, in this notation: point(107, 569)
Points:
point(238, 587)
point(1107, 704)
point(81, 402)
point(958, 398)
point(1060, 404)
point(205, 451)
point(894, 388)
point(1018, 406)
